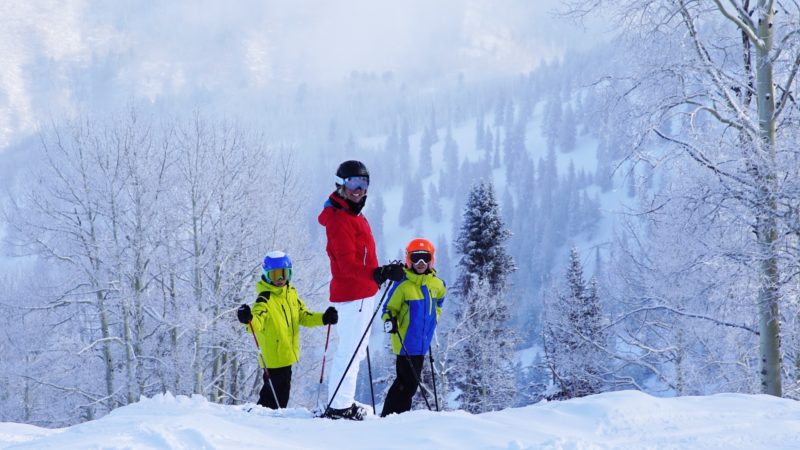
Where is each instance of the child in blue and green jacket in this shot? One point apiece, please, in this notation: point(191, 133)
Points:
point(411, 315)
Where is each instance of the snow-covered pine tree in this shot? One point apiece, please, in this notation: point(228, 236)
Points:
point(448, 184)
point(483, 364)
point(480, 241)
point(573, 334)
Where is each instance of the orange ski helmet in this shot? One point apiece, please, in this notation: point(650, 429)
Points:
point(420, 245)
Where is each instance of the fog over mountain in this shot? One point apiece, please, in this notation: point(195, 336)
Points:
point(83, 55)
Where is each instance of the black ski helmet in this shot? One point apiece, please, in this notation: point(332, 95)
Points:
point(351, 168)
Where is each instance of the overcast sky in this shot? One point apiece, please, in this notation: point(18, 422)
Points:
point(59, 54)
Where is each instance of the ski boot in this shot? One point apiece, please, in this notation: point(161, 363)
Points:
point(354, 412)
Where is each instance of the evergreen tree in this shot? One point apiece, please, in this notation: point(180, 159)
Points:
point(514, 151)
point(573, 335)
point(413, 201)
point(605, 169)
point(375, 215)
point(551, 122)
point(425, 158)
point(434, 206)
point(497, 143)
point(392, 144)
point(508, 118)
point(433, 127)
point(484, 361)
point(492, 151)
point(569, 130)
point(499, 110)
point(488, 145)
point(443, 263)
point(508, 207)
point(448, 187)
point(403, 141)
point(480, 241)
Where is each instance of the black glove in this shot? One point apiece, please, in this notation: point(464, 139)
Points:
point(330, 316)
point(390, 326)
point(393, 271)
point(244, 314)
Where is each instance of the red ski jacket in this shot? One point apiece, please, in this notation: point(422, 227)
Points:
point(351, 249)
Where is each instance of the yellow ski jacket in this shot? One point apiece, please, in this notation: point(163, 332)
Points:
point(277, 315)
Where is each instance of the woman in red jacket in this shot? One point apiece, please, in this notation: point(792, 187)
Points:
point(356, 278)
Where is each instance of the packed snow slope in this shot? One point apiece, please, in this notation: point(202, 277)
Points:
point(617, 420)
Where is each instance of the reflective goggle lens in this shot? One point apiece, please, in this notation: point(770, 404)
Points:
point(416, 257)
point(279, 274)
point(355, 183)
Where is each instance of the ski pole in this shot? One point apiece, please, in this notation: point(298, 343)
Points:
point(371, 389)
point(414, 371)
point(433, 377)
point(369, 325)
point(324, 354)
point(264, 363)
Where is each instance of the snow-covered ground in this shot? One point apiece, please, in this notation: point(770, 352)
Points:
point(617, 420)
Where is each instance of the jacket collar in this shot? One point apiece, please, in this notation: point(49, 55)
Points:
point(339, 202)
point(263, 286)
point(419, 279)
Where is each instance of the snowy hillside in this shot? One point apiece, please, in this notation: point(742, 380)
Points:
point(619, 420)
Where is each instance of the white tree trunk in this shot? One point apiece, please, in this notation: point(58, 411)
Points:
point(767, 233)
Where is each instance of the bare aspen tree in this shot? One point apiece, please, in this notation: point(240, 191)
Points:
point(696, 68)
point(152, 234)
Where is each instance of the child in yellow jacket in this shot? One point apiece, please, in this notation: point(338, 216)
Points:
point(274, 320)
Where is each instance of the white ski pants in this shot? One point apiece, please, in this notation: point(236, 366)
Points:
point(354, 317)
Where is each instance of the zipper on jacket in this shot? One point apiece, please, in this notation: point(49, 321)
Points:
point(426, 295)
point(288, 324)
point(286, 317)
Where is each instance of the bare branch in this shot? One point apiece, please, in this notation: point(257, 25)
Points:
point(748, 29)
point(682, 313)
point(787, 88)
point(698, 156)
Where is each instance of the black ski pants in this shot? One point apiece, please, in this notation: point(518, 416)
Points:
point(401, 393)
point(282, 381)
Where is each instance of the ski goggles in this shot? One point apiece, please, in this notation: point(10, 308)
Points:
point(356, 183)
point(278, 275)
point(416, 257)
